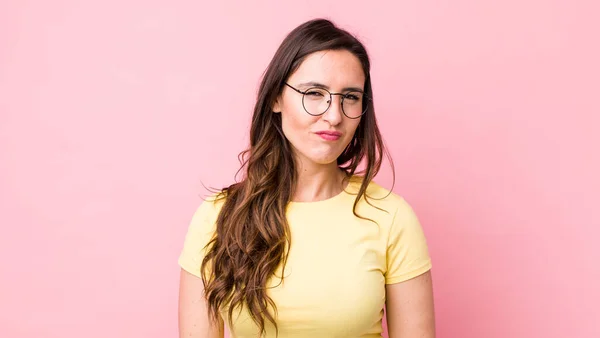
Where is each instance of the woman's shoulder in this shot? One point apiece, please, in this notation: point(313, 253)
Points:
point(375, 192)
point(380, 201)
point(211, 204)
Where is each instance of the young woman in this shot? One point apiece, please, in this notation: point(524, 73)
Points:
point(306, 244)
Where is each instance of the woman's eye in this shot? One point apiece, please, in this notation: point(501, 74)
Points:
point(314, 93)
point(352, 97)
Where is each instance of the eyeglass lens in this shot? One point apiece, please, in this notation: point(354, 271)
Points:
point(316, 101)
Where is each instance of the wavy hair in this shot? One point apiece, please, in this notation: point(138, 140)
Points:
point(252, 237)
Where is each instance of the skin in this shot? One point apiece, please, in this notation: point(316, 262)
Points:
point(409, 305)
point(319, 177)
point(410, 308)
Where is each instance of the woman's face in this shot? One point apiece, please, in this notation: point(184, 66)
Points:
point(311, 136)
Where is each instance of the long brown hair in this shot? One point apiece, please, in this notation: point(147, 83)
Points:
point(252, 234)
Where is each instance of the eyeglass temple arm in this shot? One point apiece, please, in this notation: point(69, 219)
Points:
point(297, 90)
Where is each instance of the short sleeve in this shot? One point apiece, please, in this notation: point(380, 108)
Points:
point(407, 251)
point(200, 231)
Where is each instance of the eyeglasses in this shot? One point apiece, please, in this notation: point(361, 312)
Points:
point(317, 100)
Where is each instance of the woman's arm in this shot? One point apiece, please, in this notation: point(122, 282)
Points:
point(193, 311)
point(409, 308)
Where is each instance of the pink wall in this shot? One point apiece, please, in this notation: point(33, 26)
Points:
point(113, 112)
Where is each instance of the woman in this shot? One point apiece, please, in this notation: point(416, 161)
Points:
point(304, 246)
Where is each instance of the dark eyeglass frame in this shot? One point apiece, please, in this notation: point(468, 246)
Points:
point(343, 95)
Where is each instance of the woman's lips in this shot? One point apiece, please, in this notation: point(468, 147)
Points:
point(329, 135)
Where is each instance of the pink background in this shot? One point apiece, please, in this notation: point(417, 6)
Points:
point(114, 112)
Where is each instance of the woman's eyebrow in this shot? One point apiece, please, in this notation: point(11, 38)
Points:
point(320, 85)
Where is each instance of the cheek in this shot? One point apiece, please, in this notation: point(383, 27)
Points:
point(351, 130)
point(295, 122)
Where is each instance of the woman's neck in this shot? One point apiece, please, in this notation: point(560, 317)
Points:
point(318, 184)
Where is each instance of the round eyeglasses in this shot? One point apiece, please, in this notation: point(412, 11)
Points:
point(317, 100)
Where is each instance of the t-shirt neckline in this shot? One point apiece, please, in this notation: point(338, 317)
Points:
point(351, 182)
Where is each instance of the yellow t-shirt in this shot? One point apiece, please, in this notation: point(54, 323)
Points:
point(337, 267)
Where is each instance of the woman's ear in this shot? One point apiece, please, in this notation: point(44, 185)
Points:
point(276, 105)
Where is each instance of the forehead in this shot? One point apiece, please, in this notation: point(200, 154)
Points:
point(334, 68)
